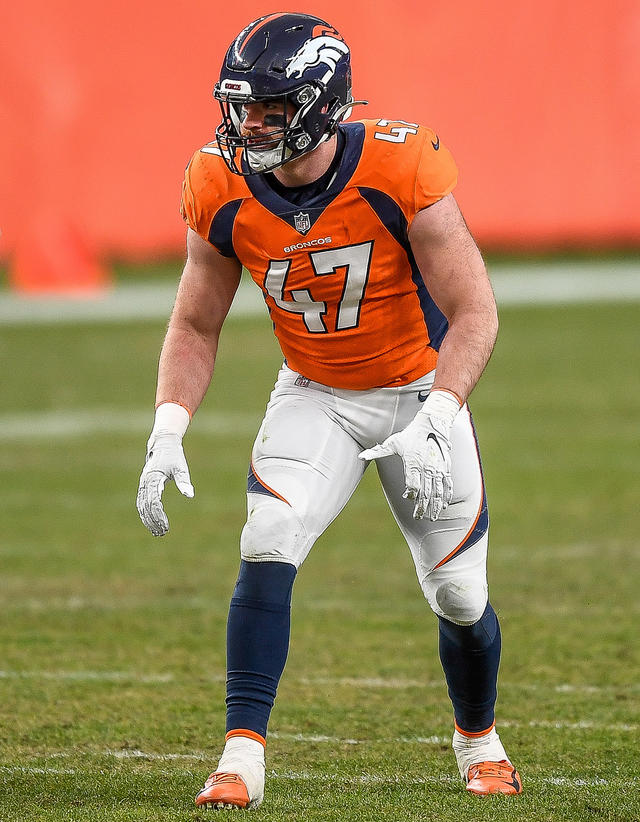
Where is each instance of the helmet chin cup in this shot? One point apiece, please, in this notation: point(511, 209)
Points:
point(261, 161)
point(296, 60)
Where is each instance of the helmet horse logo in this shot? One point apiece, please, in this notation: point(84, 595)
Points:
point(325, 49)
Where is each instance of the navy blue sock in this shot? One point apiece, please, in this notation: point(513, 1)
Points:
point(257, 642)
point(470, 656)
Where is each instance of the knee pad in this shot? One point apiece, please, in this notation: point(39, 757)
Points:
point(273, 532)
point(462, 600)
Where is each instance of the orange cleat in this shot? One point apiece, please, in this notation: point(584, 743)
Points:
point(223, 791)
point(493, 777)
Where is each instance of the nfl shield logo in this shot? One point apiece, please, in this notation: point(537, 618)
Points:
point(302, 222)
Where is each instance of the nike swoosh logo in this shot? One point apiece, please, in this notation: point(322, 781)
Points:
point(434, 438)
point(514, 781)
point(436, 145)
point(422, 396)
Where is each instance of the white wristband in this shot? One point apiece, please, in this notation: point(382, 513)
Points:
point(171, 418)
point(441, 404)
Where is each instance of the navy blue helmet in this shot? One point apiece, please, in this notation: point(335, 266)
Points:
point(297, 60)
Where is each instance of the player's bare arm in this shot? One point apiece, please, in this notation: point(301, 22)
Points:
point(208, 284)
point(207, 287)
point(454, 272)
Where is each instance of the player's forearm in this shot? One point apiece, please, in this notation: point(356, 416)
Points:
point(465, 350)
point(185, 367)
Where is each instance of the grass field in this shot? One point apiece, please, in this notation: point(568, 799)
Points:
point(112, 643)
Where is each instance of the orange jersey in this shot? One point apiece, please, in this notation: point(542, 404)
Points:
point(349, 306)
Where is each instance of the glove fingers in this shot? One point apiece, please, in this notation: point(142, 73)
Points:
point(150, 504)
point(448, 490)
point(436, 500)
point(421, 495)
point(380, 450)
point(412, 477)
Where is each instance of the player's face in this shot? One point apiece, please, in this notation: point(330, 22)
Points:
point(262, 118)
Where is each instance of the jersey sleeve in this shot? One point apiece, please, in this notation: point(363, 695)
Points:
point(191, 206)
point(210, 200)
point(437, 173)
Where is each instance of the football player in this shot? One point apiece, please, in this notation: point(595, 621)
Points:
point(386, 319)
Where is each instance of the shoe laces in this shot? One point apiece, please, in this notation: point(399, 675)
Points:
point(218, 778)
point(489, 769)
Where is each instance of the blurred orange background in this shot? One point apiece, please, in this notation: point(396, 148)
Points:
point(103, 104)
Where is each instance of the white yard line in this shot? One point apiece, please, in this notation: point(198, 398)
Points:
point(92, 676)
point(41, 771)
point(128, 302)
point(515, 284)
point(401, 779)
point(82, 422)
point(22, 599)
point(373, 683)
point(309, 776)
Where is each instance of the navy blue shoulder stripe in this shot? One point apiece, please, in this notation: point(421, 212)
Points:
point(388, 211)
point(221, 229)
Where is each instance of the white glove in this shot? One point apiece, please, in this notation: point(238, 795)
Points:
point(165, 460)
point(425, 450)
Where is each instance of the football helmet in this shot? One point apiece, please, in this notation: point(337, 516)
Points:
point(296, 60)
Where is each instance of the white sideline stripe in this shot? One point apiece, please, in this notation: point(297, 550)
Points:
point(41, 771)
point(566, 283)
point(363, 779)
point(92, 676)
point(125, 303)
point(88, 421)
point(136, 754)
point(514, 285)
point(563, 725)
point(336, 740)
point(355, 682)
point(396, 779)
point(395, 683)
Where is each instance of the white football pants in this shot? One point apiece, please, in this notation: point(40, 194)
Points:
point(305, 467)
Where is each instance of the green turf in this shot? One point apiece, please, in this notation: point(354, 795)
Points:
point(112, 643)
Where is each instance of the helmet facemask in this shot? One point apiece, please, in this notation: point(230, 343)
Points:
point(265, 152)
